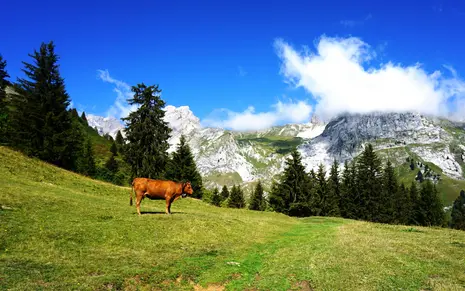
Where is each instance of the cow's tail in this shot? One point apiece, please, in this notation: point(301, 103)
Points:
point(130, 194)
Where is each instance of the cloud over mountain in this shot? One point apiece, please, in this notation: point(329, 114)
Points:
point(338, 77)
point(293, 112)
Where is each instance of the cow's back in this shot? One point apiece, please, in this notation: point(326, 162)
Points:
point(155, 188)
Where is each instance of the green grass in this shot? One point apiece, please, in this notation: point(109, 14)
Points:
point(61, 231)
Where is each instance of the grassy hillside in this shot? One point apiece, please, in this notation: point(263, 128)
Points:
point(61, 231)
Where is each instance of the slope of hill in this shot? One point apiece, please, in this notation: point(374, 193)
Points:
point(62, 231)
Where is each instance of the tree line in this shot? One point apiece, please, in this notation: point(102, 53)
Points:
point(36, 120)
point(365, 189)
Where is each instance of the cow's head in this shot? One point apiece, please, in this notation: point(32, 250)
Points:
point(187, 189)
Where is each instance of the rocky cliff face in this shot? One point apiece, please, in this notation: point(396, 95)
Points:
point(226, 157)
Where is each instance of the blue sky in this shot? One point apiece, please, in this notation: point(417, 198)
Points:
point(237, 54)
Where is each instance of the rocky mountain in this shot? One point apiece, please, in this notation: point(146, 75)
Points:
point(228, 157)
point(104, 125)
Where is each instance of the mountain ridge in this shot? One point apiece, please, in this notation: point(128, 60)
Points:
point(237, 157)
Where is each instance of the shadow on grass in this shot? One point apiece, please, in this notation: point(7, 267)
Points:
point(159, 212)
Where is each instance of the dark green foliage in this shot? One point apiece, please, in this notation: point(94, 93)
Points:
point(458, 212)
point(369, 183)
point(257, 201)
point(119, 139)
point(414, 206)
point(324, 202)
point(419, 177)
point(88, 161)
point(4, 121)
point(113, 149)
point(402, 205)
point(215, 198)
point(430, 210)
point(112, 164)
point(74, 113)
point(42, 125)
point(412, 165)
point(224, 193)
point(390, 190)
point(84, 118)
point(349, 192)
point(236, 198)
point(182, 167)
point(147, 133)
point(294, 188)
point(334, 193)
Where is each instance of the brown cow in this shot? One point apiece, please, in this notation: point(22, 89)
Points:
point(158, 190)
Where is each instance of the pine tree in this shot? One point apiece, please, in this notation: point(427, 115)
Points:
point(370, 185)
point(431, 208)
point(402, 205)
point(147, 134)
point(4, 116)
point(113, 149)
point(292, 195)
point(390, 190)
point(334, 193)
point(84, 118)
point(257, 201)
point(414, 206)
point(182, 167)
point(324, 202)
point(419, 176)
point(224, 193)
point(119, 139)
point(88, 161)
point(43, 126)
point(112, 165)
point(458, 212)
point(216, 198)
point(236, 198)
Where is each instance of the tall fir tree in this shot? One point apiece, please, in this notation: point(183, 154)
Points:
point(119, 139)
point(182, 167)
point(43, 126)
point(216, 198)
point(292, 194)
point(84, 118)
point(4, 116)
point(224, 193)
point(147, 133)
point(113, 149)
point(370, 185)
point(257, 201)
point(431, 209)
point(236, 197)
point(334, 192)
point(88, 166)
point(402, 205)
point(390, 191)
point(414, 206)
point(324, 202)
point(458, 212)
point(349, 203)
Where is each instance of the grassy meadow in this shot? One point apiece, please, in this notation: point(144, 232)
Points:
point(62, 231)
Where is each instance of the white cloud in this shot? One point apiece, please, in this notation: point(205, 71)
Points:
point(336, 77)
point(293, 112)
point(120, 108)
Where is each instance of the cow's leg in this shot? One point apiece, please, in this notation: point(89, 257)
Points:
point(139, 196)
point(168, 205)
